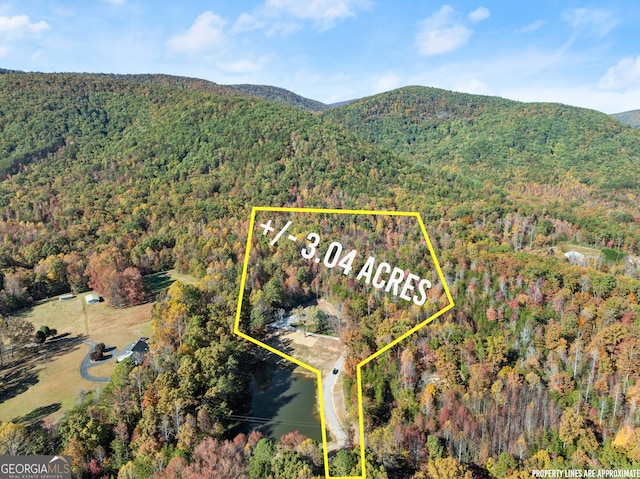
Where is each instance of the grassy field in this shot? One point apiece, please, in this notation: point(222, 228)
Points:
point(46, 390)
point(95, 321)
point(177, 276)
point(588, 252)
point(48, 384)
point(51, 379)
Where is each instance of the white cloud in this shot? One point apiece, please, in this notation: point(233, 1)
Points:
point(283, 27)
point(20, 25)
point(36, 55)
point(441, 33)
point(532, 27)
point(593, 21)
point(206, 33)
point(247, 23)
point(3, 50)
point(585, 96)
point(243, 66)
point(387, 82)
point(63, 12)
point(475, 87)
point(284, 17)
point(325, 13)
point(114, 2)
point(479, 14)
point(623, 76)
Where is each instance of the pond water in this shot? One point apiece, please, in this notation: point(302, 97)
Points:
point(285, 402)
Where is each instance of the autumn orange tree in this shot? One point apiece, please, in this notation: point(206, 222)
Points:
point(110, 275)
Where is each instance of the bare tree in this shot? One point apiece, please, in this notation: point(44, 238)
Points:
point(17, 332)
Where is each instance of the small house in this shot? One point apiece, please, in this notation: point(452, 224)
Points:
point(139, 350)
point(92, 298)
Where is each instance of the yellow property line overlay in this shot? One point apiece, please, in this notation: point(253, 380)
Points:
point(236, 327)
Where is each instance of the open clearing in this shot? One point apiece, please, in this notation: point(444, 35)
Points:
point(320, 352)
point(585, 250)
point(97, 322)
point(46, 391)
point(47, 383)
point(50, 380)
point(316, 350)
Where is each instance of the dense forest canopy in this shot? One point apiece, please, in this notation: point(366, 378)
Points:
point(280, 95)
point(489, 136)
point(106, 178)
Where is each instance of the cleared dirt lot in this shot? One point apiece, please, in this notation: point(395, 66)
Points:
point(317, 351)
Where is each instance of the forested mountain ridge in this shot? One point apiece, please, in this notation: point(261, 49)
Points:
point(187, 83)
point(107, 176)
point(74, 146)
point(490, 136)
point(272, 93)
point(281, 95)
point(56, 113)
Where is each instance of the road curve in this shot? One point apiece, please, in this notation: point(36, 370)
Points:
point(330, 415)
point(86, 364)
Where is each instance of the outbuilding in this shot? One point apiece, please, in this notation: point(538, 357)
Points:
point(92, 298)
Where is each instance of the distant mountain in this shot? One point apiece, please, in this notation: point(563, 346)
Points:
point(494, 137)
point(161, 123)
point(4, 71)
point(631, 117)
point(280, 95)
point(340, 103)
point(185, 83)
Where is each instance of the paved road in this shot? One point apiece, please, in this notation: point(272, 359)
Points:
point(330, 414)
point(86, 364)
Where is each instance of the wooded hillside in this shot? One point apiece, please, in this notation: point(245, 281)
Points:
point(106, 178)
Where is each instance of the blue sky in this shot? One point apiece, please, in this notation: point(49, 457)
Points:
point(579, 53)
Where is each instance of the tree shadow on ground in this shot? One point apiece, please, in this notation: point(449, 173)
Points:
point(17, 379)
point(18, 375)
point(277, 341)
point(60, 347)
point(58, 337)
point(38, 414)
point(156, 283)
